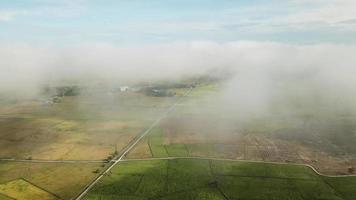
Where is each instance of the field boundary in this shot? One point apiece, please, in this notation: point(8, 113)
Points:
point(60, 198)
point(251, 161)
point(166, 158)
point(335, 190)
point(31, 183)
point(4, 195)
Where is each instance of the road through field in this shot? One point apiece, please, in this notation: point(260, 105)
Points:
point(132, 144)
point(164, 158)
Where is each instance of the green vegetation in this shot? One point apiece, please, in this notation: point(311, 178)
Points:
point(160, 150)
point(62, 179)
point(90, 124)
point(85, 126)
point(3, 197)
point(144, 178)
point(94, 122)
point(200, 193)
point(177, 150)
point(204, 89)
point(211, 150)
point(344, 186)
point(23, 190)
point(156, 143)
point(219, 180)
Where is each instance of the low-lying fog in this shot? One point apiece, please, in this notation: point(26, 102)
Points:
point(312, 86)
point(323, 73)
point(266, 75)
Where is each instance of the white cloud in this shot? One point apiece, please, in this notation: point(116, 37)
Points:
point(46, 8)
point(306, 15)
point(8, 15)
point(330, 12)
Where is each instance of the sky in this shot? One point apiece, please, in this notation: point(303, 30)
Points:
point(138, 22)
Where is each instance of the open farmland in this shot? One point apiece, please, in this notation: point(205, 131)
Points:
point(92, 126)
point(216, 179)
point(197, 128)
point(88, 128)
point(75, 126)
point(177, 100)
point(61, 179)
point(22, 189)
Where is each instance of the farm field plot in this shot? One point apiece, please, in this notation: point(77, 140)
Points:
point(22, 190)
point(174, 138)
point(213, 179)
point(63, 180)
point(77, 125)
point(3, 197)
point(198, 128)
point(345, 186)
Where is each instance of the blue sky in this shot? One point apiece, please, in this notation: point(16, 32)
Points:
point(135, 22)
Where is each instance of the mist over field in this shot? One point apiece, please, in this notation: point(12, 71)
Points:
point(178, 99)
point(262, 78)
point(311, 75)
point(273, 78)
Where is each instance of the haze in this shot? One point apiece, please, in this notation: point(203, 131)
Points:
point(177, 99)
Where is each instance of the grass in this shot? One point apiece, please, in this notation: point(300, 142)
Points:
point(115, 182)
point(68, 130)
point(135, 179)
point(262, 170)
point(204, 89)
point(182, 172)
point(3, 197)
point(141, 150)
point(255, 188)
point(155, 142)
point(85, 127)
point(201, 149)
point(219, 180)
point(344, 186)
point(78, 128)
point(177, 150)
point(21, 189)
point(66, 126)
point(196, 194)
point(160, 150)
point(316, 190)
point(64, 180)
